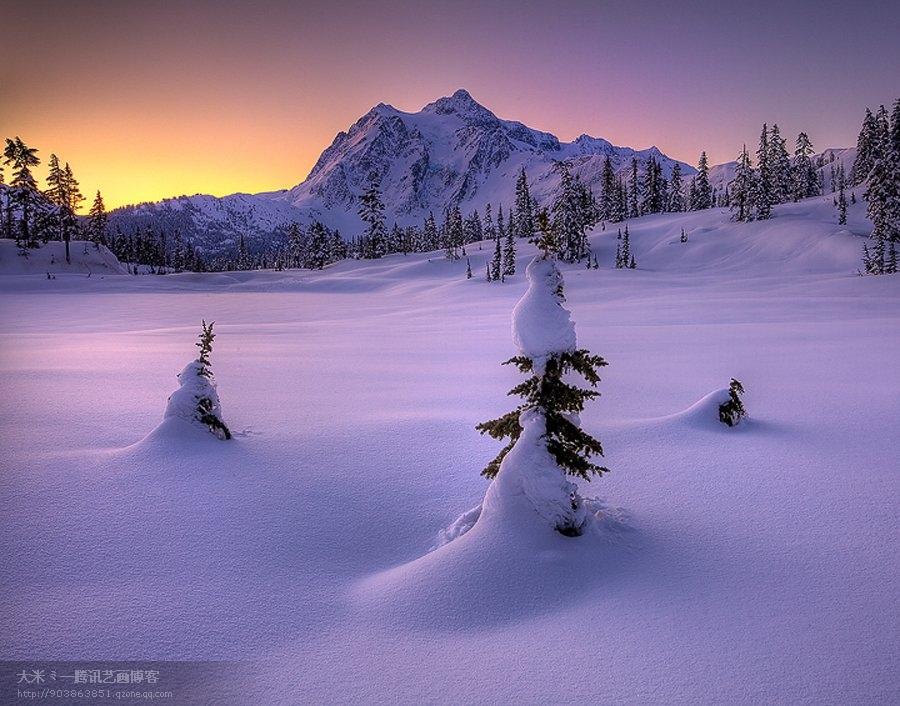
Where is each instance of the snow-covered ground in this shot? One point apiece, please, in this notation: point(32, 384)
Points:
point(50, 259)
point(748, 565)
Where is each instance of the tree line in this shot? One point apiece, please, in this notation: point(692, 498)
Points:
point(32, 216)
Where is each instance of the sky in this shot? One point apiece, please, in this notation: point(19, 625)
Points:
point(154, 99)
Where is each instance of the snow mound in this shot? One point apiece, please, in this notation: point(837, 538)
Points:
point(530, 483)
point(702, 415)
point(86, 258)
point(495, 568)
point(541, 324)
point(182, 418)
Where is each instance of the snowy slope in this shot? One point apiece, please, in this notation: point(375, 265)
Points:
point(753, 565)
point(452, 151)
point(85, 257)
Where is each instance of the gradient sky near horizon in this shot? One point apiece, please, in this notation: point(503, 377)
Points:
point(155, 99)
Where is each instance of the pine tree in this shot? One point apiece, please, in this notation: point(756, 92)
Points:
point(609, 191)
point(867, 259)
point(4, 197)
point(548, 413)
point(684, 237)
point(883, 191)
point(317, 247)
point(371, 211)
point(891, 150)
point(865, 150)
point(624, 256)
point(430, 234)
point(762, 192)
point(497, 260)
point(197, 401)
point(573, 212)
point(296, 245)
point(779, 166)
point(732, 411)
point(742, 188)
point(488, 231)
point(208, 411)
point(509, 255)
point(98, 221)
point(524, 220)
point(23, 188)
point(676, 195)
point(842, 197)
point(73, 201)
point(634, 191)
point(468, 269)
point(702, 188)
point(806, 181)
point(620, 207)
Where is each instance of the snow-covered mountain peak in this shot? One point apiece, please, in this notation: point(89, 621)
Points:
point(452, 151)
point(464, 106)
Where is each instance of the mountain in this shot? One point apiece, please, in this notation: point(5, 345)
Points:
point(452, 151)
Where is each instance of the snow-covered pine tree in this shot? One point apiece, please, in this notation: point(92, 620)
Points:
point(806, 180)
point(891, 195)
point(546, 442)
point(497, 260)
point(474, 230)
point(842, 197)
point(608, 191)
point(197, 401)
point(488, 230)
point(762, 191)
point(620, 207)
point(684, 237)
point(867, 259)
point(732, 411)
point(23, 190)
point(468, 269)
point(430, 233)
point(524, 220)
point(779, 166)
point(509, 254)
point(865, 150)
point(634, 191)
point(650, 191)
point(317, 249)
point(98, 221)
point(890, 267)
point(371, 211)
point(742, 188)
point(676, 190)
point(702, 188)
point(566, 221)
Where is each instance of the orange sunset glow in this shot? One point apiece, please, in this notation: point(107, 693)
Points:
point(161, 99)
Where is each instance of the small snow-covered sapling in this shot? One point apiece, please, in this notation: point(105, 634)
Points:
point(207, 408)
point(196, 401)
point(546, 340)
point(732, 411)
